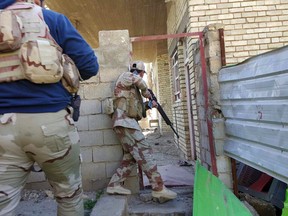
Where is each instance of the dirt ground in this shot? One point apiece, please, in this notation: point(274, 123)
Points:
point(42, 203)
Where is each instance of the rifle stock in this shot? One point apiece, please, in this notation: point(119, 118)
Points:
point(162, 113)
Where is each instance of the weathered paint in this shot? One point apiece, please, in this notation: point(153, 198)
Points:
point(212, 197)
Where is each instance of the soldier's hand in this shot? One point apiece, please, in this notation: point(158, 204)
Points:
point(154, 104)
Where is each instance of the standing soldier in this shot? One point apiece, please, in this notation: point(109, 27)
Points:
point(129, 109)
point(35, 123)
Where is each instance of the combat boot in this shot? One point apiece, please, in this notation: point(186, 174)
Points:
point(118, 189)
point(164, 195)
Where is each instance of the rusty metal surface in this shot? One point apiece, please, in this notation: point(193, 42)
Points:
point(254, 97)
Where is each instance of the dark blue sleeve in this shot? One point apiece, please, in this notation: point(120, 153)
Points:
point(72, 43)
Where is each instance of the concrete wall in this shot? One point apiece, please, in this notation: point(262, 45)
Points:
point(213, 114)
point(100, 148)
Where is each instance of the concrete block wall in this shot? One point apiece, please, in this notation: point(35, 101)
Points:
point(213, 59)
point(100, 148)
point(213, 65)
point(251, 27)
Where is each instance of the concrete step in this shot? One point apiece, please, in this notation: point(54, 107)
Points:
point(142, 204)
point(110, 205)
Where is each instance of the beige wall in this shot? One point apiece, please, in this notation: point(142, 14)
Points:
point(251, 27)
point(164, 91)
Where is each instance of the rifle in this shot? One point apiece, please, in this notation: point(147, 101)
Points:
point(162, 113)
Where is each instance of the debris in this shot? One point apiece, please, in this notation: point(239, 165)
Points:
point(184, 163)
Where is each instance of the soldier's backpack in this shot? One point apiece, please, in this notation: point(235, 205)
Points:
point(28, 51)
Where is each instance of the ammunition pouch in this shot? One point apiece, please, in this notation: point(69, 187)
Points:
point(71, 76)
point(135, 108)
point(28, 51)
point(131, 106)
point(108, 106)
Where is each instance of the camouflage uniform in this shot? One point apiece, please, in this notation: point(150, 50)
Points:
point(34, 123)
point(51, 140)
point(136, 148)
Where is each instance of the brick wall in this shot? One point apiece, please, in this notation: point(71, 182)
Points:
point(164, 90)
point(177, 13)
point(251, 27)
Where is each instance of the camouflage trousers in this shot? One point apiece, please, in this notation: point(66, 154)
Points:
point(136, 151)
point(51, 140)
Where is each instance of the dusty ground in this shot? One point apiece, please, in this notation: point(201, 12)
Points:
point(41, 203)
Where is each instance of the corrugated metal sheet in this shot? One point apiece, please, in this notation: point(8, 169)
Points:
point(254, 97)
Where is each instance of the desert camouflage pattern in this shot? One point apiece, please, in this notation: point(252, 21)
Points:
point(71, 76)
point(35, 55)
point(123, 92)
point(136, 148)
point(136, 151)
point(51, 140)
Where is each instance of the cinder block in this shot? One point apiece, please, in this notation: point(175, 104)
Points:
point(82, 123)
point(214, 64)
point(90, 107)
point(100, 121)
point(107, 153)
point(91, 138)
point(86, 155)
point(92, 176)
point(219, 128)
point(114, 38)
point(219, 147)
point(113, 57)
point(223, 164)
point(99, 92)
point(110, 137)
point(109, 205)
point(93, 171)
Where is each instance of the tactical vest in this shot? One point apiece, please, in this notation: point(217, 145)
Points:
point(131, 102)
point(28, 51)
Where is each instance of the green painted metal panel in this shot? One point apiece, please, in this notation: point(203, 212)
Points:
point(213, 198)
point(285, 209)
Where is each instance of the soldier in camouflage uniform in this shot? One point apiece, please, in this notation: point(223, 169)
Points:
point(129, 109)
point(35, 125)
